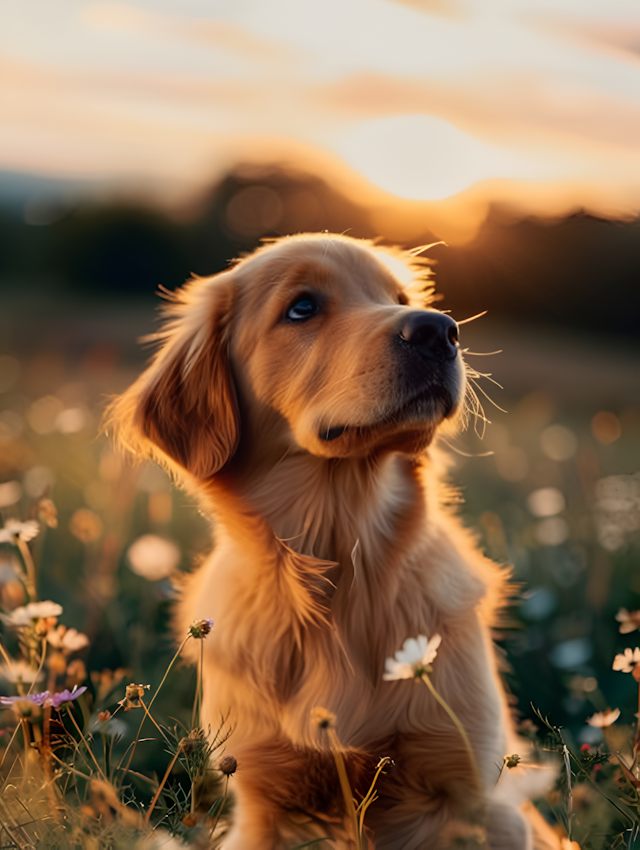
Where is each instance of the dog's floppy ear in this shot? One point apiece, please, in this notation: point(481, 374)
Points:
point(183, 410)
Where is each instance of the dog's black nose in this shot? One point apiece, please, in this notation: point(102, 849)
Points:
point(431, 333)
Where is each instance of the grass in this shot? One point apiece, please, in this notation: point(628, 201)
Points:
point(555, 499)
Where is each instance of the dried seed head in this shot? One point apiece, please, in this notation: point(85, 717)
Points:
point(322, 718)
point(228, 765)
point(192, 742)
point(132, 696)
point(199, 629)
point(512, 761)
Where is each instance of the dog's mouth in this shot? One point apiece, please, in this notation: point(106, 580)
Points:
point(330, 434)
point(428, 406)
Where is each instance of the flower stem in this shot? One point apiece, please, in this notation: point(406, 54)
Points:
point(162, 784)
point(31, 569)
point(171, 663)
point(371, 794)
point(134, 744)
point(86, 743)
point(224, 800)
point(458, 725)
point(40, 666)
point(334, 743)
point(197, 702)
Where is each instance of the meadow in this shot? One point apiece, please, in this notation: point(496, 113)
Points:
point(549, 487)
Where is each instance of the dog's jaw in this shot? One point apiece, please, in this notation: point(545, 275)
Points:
point(408, 426)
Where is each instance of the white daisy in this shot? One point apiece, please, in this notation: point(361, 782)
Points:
point(413, 659)
point(13, 529)
point(602, 719)
point(626, 662)
point(629, 620)
point(68, 640)
point(23, 615)
point(20, 673)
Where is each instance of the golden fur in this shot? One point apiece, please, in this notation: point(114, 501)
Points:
point(332, 546)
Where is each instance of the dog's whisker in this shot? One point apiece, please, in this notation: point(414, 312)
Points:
point(472, 318)
point(465, 454)
point(488, 375)
point(487, 396)
point(415, 252)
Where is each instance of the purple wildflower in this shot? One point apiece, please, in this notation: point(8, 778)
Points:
point(66, 696)
point(45, 698)
point(37, 699)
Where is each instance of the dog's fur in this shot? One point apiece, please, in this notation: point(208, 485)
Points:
point(308, 441)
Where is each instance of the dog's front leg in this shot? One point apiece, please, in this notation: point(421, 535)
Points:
point(254, 824)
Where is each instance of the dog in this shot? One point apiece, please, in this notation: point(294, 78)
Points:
point(298, 394)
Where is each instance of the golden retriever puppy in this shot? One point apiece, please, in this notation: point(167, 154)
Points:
point(298, 395)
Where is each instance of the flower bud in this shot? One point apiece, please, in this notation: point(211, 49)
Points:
point(199, 629)
point(228, 765)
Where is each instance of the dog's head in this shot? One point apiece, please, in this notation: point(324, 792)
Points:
point(313, 342)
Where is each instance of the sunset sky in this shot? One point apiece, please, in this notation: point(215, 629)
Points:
point(534, 102)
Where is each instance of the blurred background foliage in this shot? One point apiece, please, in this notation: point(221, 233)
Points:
point(552, 488)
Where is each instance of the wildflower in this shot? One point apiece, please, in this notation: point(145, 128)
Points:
point(199, 629)
point(629, 620)
point(153, 557)
point(413, 660)
point(14, 529)
point(228, 765)
point(323, 718)
point(66, 696)
point(132, 696)
point(67, 640)
point(45, 698)
point(512, 761)
point(104, 716)
point(47, 512)
point(629, 662)
point(43, 626)
point(20, 673)
point(602, 719)
point(24, 615)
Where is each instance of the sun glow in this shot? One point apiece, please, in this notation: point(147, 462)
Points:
point(422, 157)
point(533, 104)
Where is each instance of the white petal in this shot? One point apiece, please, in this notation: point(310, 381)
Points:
point(395, 670)
point(622, 662)
point(411, 651)
point(432, 649)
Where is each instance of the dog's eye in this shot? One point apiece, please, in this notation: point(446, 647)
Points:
point(302, 309)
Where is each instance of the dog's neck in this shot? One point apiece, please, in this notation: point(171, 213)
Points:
point(342, 510)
